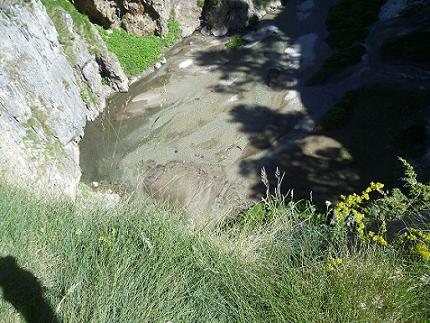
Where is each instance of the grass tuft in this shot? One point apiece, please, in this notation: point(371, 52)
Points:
point(141, 262)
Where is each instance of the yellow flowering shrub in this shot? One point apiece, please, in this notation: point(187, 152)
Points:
point(109, 239)
point(417, 242)
point(354, 211)
point(350, 208)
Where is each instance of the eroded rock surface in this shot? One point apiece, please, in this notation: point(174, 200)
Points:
point(48, 91)
point(143, 17)
point(232, 15)
point(194, 132)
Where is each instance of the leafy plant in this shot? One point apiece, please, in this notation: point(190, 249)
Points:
point(235, 41)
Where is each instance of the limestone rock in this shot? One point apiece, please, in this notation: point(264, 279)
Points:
point(49, 88)
point(41, 111)
point(187, 13)
point(143, 17)
point(103, 12)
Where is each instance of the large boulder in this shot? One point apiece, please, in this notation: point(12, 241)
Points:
point(103, 12)
point(187, 13)
point(232, 15)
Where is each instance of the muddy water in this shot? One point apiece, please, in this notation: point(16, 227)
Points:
point(197, 132)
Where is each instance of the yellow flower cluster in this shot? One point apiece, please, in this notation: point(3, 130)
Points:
point(350, 205)
point(350, 202)
point(110, 239)
point(419, 240)
point(379, 238)
point(422, 250)
point(333, 263)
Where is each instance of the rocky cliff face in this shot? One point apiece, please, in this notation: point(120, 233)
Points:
point(48, 91)
point(56, 73)
point(150, 17)
point(231, 15)
point(143, 17)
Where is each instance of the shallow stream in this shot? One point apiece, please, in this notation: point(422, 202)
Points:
point(197, 132)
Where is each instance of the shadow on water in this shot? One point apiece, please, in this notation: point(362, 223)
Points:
point(328, 163)
point(24, 292)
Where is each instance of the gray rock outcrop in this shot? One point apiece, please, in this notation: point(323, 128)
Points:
point(48, 91)
point(231, 15)
point(187, 13)
point(143, 17)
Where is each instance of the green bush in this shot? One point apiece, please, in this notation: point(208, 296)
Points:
point(347, 21)
point(253, 21)
point(338, 116)
point(234, 42)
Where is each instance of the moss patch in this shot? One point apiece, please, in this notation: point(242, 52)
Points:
point(235, 41)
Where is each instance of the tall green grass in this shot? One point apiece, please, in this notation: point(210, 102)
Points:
point(143, 263)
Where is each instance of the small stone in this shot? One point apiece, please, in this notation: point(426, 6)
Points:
point(205, 31)
point(163, 60)
point(95, 184)
point(219, 32)
point(158, 65)
point(186, 63)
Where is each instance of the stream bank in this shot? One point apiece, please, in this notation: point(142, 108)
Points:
point(198, 132)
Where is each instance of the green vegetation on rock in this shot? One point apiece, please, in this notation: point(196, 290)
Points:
point(82, 24)
point(137, 53)
point(87, 96)
point(39, 135)
point(235, 41)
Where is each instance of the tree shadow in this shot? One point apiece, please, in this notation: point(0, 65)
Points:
point(24, 292)
point(328, 163)
point(311, 162)
point(280, 62)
